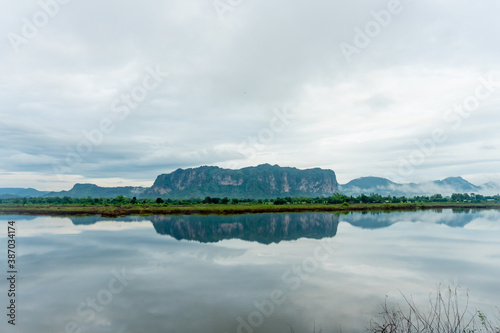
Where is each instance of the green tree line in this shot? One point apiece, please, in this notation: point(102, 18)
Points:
point(336, 198)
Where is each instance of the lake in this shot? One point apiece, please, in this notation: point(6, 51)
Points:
point(244, 273)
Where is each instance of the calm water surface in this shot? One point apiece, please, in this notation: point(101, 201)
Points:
point(246, 273)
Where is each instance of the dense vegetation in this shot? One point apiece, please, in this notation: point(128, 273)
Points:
point(122, 206)
point(334, 199)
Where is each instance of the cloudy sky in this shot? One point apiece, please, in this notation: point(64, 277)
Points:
point(117, 92)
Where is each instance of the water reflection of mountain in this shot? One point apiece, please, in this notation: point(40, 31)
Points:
point(93, 219)
point(273, 228)
point(262, 228)
point(17, 217)
point(456, 218)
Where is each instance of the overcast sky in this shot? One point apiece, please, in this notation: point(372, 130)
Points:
point(117, 92)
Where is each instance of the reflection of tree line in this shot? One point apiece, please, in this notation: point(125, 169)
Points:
point(274, 228)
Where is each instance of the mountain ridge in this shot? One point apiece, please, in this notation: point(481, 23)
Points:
point(259, 182)
point(383, 186)
point(18, 192)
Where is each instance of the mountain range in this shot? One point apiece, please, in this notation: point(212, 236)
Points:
point(20, 193)
point(383, 186)
point(260, 182)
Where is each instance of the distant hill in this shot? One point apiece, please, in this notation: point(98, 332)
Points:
point(20, 192)
point(490, 188)
point(457, 183)
point(447, 186)
point(9, 196)
point(369, 182)
point(94, 191)
point(262, 181)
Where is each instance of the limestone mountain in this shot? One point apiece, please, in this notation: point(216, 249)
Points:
point(262, 181)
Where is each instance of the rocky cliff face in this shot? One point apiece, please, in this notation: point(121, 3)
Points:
point(263, 181)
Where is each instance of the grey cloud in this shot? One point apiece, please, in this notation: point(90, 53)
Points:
point(226, 77)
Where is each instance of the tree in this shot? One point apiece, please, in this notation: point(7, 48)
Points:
point(66, 200)
point(336, 198)
point(280, 201)
point(436, 198)
point(364, 198)
point(120, 199)
point(159, 201)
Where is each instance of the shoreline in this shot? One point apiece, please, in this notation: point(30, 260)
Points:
point(219, 209)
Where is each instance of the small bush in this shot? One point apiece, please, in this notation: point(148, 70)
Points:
point(445, 315)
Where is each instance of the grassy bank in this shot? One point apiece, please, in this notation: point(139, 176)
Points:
point(227, 209)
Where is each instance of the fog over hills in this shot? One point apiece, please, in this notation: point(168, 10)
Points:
point(447, 186)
